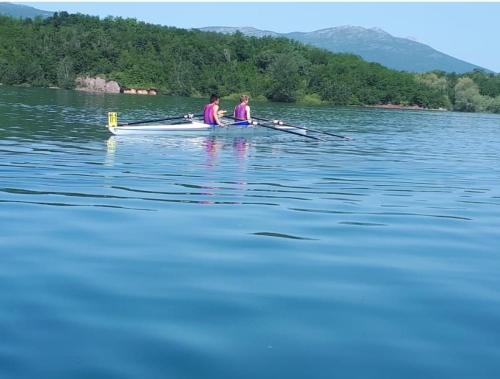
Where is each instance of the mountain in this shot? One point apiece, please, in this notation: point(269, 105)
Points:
point(376, 45)
point(22, 11)
point(373, 45)
point(248, 31)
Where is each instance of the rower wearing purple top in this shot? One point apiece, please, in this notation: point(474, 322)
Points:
point(211, 112)
point(242, 111)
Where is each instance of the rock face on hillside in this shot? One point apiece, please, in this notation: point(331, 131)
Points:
point(97, 84)
point(89, 84)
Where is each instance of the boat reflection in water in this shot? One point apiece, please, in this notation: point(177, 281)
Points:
point(211, 145)
point(174, 157)
point(214, 145)
point(240, 148)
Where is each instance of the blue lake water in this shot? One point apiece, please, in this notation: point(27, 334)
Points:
point(258, 257)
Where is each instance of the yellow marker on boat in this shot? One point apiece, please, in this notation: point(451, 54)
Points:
point(112, 119)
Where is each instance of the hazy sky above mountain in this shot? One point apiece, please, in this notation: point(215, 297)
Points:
point(467, 31)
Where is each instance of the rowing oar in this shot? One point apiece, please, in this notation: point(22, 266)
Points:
point(301, 127)
point(186, 116)
point(274, 128)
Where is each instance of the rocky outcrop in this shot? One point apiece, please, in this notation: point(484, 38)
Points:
point(140, 91)
point(97, 84)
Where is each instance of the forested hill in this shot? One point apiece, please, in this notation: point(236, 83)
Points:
point(53, 51)
point(22, 11)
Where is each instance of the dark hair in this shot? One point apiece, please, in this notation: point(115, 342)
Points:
point(214, 98)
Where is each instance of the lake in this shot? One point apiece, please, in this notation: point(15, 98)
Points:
point(246, 257)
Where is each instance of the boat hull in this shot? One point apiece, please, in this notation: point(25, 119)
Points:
point(197, 128)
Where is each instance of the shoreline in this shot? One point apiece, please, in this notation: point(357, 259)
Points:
point(261, 99)
point(405, 107)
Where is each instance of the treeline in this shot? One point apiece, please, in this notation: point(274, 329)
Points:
point(54, 51)
point(472, 92)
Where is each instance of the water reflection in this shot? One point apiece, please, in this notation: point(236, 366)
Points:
point(167, 154)
point(212, 146)
point(110, 151)
point(240, 148)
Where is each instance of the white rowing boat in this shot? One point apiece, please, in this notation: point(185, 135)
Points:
point(195, 127)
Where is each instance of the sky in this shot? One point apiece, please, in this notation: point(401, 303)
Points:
point(468, 31)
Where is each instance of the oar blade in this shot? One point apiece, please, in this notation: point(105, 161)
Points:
point(266, 125)
point(289, 131)
point(279, 122)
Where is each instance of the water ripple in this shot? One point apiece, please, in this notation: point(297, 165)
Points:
point(281, 235)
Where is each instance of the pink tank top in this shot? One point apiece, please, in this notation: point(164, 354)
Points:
point(240, 112)
point(208, 114)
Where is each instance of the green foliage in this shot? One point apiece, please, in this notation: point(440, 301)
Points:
point(56, 50)
point(489, 84)
point(65, 73)
point(494, 105)
point(468, 98)
point(287, 77)
point(439, 89)
point(312, 99)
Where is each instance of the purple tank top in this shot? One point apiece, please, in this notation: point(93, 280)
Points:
point(240, 112)
point(208, 114)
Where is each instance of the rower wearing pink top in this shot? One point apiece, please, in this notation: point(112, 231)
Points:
point(211, 112)
point(242, 110)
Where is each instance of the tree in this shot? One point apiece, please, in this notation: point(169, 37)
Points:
point(286, 77)
point(65, 73)
point(468, 98)
point(494, 105)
